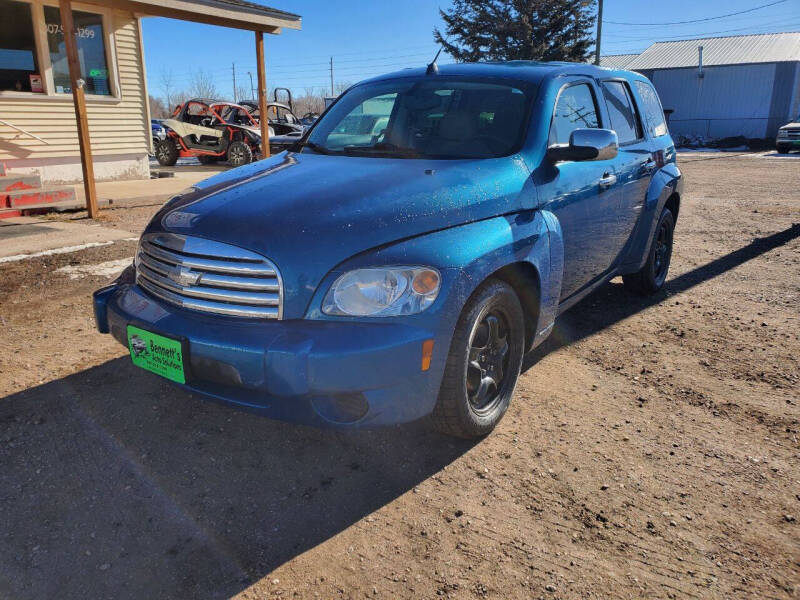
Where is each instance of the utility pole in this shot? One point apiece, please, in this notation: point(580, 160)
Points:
point(252, 89)
point(599, 31)
point(233, 70)
point(332, 92)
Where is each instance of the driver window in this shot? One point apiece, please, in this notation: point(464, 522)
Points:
point(575, 109)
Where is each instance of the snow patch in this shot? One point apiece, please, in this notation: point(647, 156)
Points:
point(64, 250)
point(103, 269)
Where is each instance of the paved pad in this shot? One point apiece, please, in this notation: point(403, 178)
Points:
point(22, 237)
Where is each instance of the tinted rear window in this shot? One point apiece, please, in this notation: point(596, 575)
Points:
point(621, 111)
point(651, 109)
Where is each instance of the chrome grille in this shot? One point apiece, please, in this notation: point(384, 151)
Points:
point(209, 276)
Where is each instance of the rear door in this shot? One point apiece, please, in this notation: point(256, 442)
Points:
point(583, 195)
point(635, 162)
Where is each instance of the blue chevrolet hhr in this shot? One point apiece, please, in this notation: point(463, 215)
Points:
point(405, 254)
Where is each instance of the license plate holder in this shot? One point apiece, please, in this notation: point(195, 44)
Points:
point(159, 354)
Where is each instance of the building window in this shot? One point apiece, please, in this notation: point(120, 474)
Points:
point(19, 67)
point(92, 57)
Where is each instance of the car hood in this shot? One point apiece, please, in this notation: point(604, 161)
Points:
point(792, 124)
point(309, 212)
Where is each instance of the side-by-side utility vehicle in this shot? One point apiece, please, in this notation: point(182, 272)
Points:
point(401, 258)
point(210, 130)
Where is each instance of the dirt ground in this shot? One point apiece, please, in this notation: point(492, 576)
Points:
point(651, 449)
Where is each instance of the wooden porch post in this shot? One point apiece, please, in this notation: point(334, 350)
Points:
point(262, 93)
point(79, 100)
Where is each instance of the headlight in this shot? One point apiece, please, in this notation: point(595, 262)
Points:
point(383, 292)
point(783, 132)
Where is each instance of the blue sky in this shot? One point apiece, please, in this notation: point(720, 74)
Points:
point(369, 37)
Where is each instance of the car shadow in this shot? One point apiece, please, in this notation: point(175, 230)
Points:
point(115, 484)
point(611, 303)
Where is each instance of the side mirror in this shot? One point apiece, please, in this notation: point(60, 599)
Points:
point(586, 144)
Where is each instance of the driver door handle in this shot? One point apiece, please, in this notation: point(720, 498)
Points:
point(607, 180)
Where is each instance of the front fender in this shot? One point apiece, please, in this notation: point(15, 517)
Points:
point(466, 255)
point(667, 181)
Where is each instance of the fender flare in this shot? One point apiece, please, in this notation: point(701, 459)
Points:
point(665, 183)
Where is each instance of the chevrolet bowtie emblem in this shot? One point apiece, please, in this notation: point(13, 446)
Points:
point(185, 277)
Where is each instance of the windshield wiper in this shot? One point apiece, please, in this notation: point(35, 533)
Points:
point(313, 146)
point(382, 148)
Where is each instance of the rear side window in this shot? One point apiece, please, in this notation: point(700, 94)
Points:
point(651, 109)
point(575, 109)
point(621, 111)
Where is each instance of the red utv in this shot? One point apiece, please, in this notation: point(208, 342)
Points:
point(210, 130)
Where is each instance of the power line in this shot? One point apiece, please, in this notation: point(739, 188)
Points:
point(741, 12)
point(695, 36)
point(772, 24)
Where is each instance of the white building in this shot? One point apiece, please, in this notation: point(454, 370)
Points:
point(746, 85)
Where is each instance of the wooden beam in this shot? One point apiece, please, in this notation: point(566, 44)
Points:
point(262, 94)
point(79, 99)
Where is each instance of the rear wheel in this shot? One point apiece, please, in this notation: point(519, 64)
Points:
point(652, 276)
point(167, 153)
point(239, 154)
point(483, 364)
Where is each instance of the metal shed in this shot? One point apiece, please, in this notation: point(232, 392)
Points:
point(747, 85)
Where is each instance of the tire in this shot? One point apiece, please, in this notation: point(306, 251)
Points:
point(239, 154)
point(784, 149)
point(205, 159)
point(650, 279)
point(166, 153)
point(469, 405)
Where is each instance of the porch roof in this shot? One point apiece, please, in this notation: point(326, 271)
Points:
point(238, 14)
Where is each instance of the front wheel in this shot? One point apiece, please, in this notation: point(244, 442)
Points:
point(652, 276)
point(783, 149)
point(483, 363)
point(239, 154)
point(167, 153)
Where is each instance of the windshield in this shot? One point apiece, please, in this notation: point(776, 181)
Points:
point(435, 117)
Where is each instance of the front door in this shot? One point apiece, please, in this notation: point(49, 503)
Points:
point(584, 196)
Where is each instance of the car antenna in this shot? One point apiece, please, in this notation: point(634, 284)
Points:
point(433, 68)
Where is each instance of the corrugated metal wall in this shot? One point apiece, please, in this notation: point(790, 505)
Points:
point(727, 101)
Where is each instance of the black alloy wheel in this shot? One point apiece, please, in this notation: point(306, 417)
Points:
point(483, 362)
point(487, 362)
point(239, 153)
point(166, 153)
point(663, 252)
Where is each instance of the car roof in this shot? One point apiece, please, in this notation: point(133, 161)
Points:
point(525, 70)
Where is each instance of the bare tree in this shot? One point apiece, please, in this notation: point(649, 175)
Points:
point(202, 85)
point(158, 109)
point(166, 82)
point(341, 86)
point(312, 101)
point(243, 92)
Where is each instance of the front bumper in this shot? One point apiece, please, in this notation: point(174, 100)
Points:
point(308, 371)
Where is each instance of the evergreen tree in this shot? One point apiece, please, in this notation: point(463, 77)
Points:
point(481, 30)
